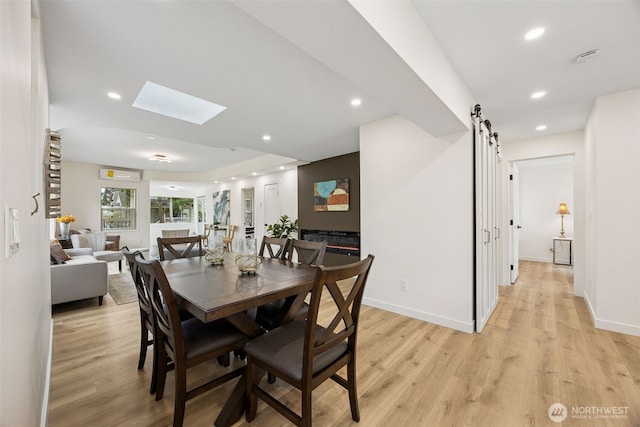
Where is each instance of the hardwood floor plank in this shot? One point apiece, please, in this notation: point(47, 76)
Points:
point(538, 348)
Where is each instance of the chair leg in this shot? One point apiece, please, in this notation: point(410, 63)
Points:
point(120, 265)
point(162, 372)
point(181, 395)
point(224, 360)
point(100, 300)
point(353, 390)
point(154, 369)
point(271, 378)
point(252, 402)
point(306, 407)
point(144, 339)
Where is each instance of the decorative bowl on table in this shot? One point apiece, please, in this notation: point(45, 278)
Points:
point(248, 263)
point(215, 255)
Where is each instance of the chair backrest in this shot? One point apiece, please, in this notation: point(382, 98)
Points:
point(346, 285)
point(231, 230)
point(175, 233)
point(136, 274)
point(309, 253)
point(165, 309)
point(95, 240)
point(276, 247)
point(179, 247)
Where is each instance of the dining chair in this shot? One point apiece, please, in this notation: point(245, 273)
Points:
point(308, 252)
point(228, 239)
point(146, 315)
point(305, 353)
point(271, 315)
point(179, 247)
point(274, 247)
point(187, 343)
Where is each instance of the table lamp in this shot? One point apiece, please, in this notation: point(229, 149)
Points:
point(562, 211)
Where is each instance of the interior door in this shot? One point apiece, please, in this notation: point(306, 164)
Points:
point(514, 223)
point(272, 204)
point(483, 228)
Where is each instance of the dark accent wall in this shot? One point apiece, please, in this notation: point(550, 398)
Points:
point(346, 166)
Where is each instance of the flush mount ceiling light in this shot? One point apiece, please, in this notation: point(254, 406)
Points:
point(534, 34)
point(114, 95)
point(172, 103)
point(539, 94)
point(356, 102)
point(541, 127)
point(160, 158)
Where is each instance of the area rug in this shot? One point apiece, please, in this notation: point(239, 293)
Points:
point(122, 289)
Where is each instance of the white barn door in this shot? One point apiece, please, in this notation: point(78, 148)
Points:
point(487, 232)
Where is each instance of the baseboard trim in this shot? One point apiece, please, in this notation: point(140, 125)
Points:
point(44, 415)
point(610, 325)
point(421, 315)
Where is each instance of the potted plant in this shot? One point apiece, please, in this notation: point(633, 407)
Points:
point(284, 228)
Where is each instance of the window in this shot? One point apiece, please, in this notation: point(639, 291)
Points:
point(171, 209)
point(118, 208)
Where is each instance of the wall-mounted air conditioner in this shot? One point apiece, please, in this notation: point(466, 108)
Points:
point(119, 175)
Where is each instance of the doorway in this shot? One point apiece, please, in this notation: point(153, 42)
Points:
point(272, 204)
point(539, 186)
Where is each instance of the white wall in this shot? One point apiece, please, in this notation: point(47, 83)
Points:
point(417, 205)
point(25, 291)
point(288, 181)
point(561, 144)
point(544, 184)
point(81, 185)
point(613, 218)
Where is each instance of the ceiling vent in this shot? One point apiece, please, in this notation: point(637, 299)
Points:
point(583, 58)
point(119, 175)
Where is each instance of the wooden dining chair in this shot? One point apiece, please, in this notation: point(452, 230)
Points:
point(187, 343)
point(179, 247)
point(274, 247)
point(308, 252)
point(228, 239)
point(305, 353)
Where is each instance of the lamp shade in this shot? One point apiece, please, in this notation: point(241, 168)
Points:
point(563, 209)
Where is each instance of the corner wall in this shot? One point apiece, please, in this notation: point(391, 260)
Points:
point(417, 219)
point(25, 290)
point(613, 203)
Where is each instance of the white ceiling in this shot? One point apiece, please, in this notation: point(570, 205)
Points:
point(255, 58)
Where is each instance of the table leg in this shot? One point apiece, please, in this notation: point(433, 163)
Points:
point(235, 405)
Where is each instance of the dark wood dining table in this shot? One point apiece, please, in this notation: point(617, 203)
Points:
point(216, 291)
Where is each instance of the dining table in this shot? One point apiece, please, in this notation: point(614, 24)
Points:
point(221, 291)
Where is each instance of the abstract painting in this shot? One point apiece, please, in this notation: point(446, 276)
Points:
point(331, 195)
point(221, 207)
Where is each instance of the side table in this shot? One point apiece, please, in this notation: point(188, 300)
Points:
point(563, 239)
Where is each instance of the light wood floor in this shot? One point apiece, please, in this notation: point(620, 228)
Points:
point(539, 348)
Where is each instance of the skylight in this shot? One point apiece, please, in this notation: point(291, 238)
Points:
point(170, 102)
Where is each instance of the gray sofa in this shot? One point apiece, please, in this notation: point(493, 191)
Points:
point(81, 277)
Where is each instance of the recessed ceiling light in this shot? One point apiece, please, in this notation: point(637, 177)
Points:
point(539, 94)
point(541, 127)
point(233, 177)
point(172, 187)
point(266, 137)
point(160, 158)
point(150, 137)
point(534, 34)
point(254, 173)
point(356, 102)
point(114, 95)
point(281, 168)
point(215, 182)
point(170, 102)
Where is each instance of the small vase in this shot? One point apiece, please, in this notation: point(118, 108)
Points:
point(64, 230)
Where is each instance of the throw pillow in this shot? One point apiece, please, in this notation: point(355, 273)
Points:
point(55, 260)
point(56, 249)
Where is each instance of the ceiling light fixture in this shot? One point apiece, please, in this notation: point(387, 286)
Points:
point(585, 57)
point(114, 95)
point(281, 168)
point(160, 158)
point(266, 137)
point(150, 137)
point(172, 103)
point(541, 127)
point(254, 173)
point(539, 94)
point(356, 102)
point(172, 187)
point(534, 34)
